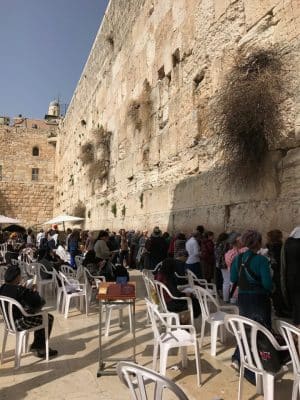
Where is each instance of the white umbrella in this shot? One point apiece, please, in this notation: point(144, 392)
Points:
point(63, 218)
point(7, 220)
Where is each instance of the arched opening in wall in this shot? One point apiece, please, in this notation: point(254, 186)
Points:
point(35, 151)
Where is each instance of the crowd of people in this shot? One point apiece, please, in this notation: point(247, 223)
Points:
point(246, 271)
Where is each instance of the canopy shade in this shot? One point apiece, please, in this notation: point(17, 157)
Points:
point(7, 220)
point(63, 218)
point(15, 228)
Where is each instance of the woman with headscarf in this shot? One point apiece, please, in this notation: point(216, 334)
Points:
point(290, 274)
point(252, 273)
point(235, 247)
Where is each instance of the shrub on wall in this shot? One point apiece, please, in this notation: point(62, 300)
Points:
point(248, 110)
point(114, 209)
point(87, 153)
point(79, 209)
point(139, 110)
point(98, 170)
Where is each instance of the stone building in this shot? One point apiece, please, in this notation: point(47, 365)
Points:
point(186, 113)
point(27, 158)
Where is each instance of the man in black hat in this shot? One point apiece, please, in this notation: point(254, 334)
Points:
point(32, 302)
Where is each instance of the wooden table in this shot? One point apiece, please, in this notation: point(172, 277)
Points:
point(113, 293)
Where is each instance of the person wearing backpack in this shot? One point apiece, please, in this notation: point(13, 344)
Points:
point(252, 274)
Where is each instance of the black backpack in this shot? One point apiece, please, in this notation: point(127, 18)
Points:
point(272, 360)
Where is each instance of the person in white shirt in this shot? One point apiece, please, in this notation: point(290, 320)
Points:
point(193, 249)
point(39, 237)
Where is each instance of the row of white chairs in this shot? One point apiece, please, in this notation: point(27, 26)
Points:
point(138, 379)
point(245, 331)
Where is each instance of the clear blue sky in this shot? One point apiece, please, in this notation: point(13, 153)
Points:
point(44, 46)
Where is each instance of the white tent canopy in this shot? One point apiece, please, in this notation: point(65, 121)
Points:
point(63, 218)
point(7, 220)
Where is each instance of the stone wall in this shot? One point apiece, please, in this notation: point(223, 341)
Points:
point(150, 87)
point(20, 197)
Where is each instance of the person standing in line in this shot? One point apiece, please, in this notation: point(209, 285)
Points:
point(157, 248)
point(39, 237)
point(236, 247)
point(193, 248)
point(208, 255)
point(221, 248)
point(274, 246)
point(73, 246)
point(252, 274)
point(124, 249)
point(290, 276)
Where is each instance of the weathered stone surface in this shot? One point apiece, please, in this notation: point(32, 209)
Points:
point(20, 197)
point(167, 147)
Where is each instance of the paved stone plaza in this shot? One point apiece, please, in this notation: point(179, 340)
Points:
point(73, 374)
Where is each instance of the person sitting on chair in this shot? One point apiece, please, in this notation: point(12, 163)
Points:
point(32, 302)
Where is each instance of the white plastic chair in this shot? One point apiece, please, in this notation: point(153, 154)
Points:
point(109, 308)
point(291, 336)
point(3, 250)
point(137, 378)
point(215, 319)
point(7, 305)
point(92, 282)
point(41, 283)
point(161, 290)
point(245, 331)
point(72, 289)
point(68, 271)
point(79, 266)
point(59, 290)
point(193, 282)
point(174, 336)
point(2, 274)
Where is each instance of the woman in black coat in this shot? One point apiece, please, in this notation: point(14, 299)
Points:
point(291, 273)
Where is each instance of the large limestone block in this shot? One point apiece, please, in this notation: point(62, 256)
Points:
point(212, 217)
point(216, 188)
point(290, 179)
point(255, 10)
point(158, 199)
point(263, 216)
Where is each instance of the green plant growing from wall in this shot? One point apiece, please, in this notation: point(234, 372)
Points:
point(123, 211)
point(141, 198)
point(114, 209)
point(139, 110)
